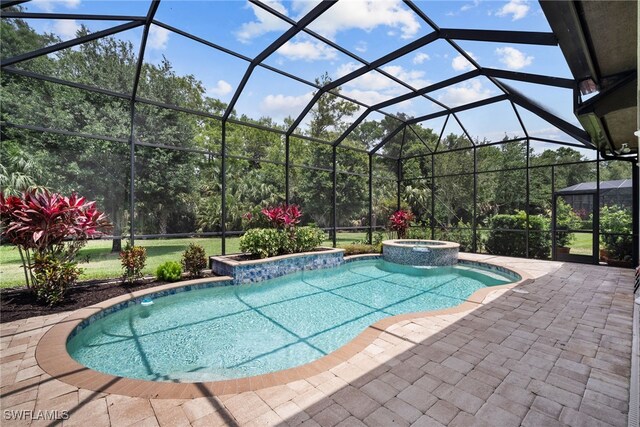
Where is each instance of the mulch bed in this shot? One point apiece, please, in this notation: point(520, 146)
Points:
point(19, 303)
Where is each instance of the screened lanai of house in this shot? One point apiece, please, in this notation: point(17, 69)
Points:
point(179, 118)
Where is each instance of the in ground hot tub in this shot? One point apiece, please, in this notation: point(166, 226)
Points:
point(420, 252)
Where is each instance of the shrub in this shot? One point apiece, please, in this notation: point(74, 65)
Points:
point(566, 219)
point(360, 248)
point(615, 232)
point(194, 260)
point(53, 277)
point(268, 242)
point(307, 238)
point(50, 228)
point(284, 237)
point(169, 271)
point(461, 234)
point(418, 233)
point(400, 221)
point(133, 260)
point(500, 241)
point(263, 242)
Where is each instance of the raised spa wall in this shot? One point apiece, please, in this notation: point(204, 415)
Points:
point(420, 252)
point(253, 271)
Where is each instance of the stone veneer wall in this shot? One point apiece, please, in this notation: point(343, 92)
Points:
point(405, 255)
point(270, 268)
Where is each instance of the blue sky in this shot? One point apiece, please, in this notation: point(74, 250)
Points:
point(369, 29)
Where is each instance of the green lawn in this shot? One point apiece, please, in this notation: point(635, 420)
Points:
point(103, 264)
point(582, 244)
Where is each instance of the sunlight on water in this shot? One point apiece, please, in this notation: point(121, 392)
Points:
point(238, 331)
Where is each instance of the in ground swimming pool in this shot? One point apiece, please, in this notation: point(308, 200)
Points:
point(238, 331)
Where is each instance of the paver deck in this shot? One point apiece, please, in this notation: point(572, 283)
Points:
point(557, 355)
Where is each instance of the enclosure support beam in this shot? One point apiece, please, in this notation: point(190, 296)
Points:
point(223, 187)
point(527, 200)
point(596, 235)
point(73, 42)
point(84, 17)
point(398, 182)
point(635, 211)
point(423, 41)
point(464, 107)
point(433, 198)
point(277, 44)
point(9, 3)
point(352, 126)
point(334, 198)
point(132, 108)
point(500, 36)
point(474, 225)
point(554, 253)
point(287, 162)
point(370, 199)
point(386, 139)
point(568, 128)
point(529, 78)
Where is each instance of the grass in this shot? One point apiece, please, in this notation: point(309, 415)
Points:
point(582, 244)
point(102, 264)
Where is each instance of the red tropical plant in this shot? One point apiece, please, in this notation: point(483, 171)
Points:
point(401, 221)
point(43, 224)
point(283, 216)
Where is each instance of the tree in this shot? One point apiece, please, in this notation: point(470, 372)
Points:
point(330, 110)
point(312, 188)
point(97, 167)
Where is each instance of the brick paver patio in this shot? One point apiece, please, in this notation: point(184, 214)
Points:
point(557, 355)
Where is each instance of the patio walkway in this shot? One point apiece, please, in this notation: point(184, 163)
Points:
point(558, 355)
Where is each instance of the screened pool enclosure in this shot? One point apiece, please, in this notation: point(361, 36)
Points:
point(178, 118)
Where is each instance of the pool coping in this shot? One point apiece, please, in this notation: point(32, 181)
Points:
point(52, 356)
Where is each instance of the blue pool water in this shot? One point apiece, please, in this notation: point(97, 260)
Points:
point(238, 331)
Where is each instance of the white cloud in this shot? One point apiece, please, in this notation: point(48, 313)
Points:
point(420, 58)
point(265, 22)
point(66, 28)
point(518, 9)
point(221, 89)
point(307, 50)
point(468, 6)
point(368, 81)
point(414, 78)
point(460, 63)
point(158, 37)
point(361, 46)
point(368, 97)
point(280, 106)
point(513, 58)
point(464, 93)
point(464, 8)
point(373, 87)
point(343, 16)
point(302, 7)
point(367, 15)
point(50, 5)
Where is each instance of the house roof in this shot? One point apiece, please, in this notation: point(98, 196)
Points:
point(599, 39)
point(616, 184)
